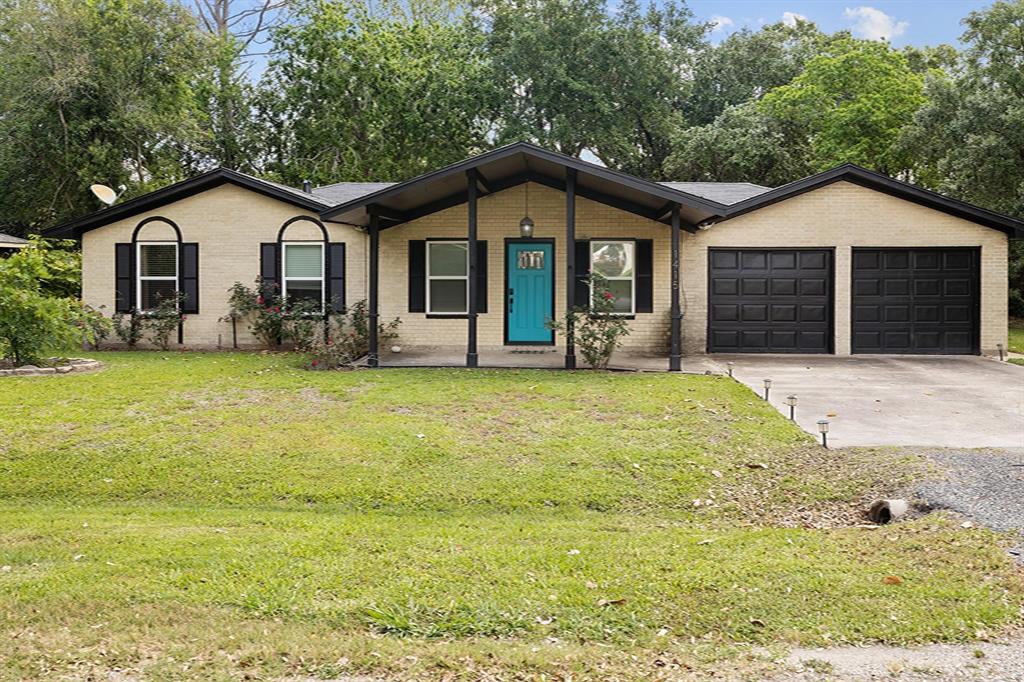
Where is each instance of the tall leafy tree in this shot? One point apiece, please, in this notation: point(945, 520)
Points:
point(91, 91)
point(853, 102)
point(747, 64)
point(970, 135)
point(357, 95)
point(576, 75)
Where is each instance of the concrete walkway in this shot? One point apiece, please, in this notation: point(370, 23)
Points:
point(940, 401)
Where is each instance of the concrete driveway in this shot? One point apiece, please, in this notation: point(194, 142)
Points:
point(941, 401)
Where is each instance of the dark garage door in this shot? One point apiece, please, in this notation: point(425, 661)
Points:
point(915, 301)
point(770, 301)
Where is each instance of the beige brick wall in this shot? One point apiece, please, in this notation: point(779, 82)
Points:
point(229, 223)
point(844, 215)
point(498, 217)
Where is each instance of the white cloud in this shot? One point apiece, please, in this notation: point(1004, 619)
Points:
point(874, 24)
point(790, 18)
point(720, 23)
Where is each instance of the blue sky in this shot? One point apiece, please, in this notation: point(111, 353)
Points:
point(904, 22)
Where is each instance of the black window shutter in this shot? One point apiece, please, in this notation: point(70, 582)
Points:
point(270, 265)
point(336, 276)
point(417, 276)
point(582, 294)
point(481, 276)
point(189, 284)
point(644, 275)
point(123, 278)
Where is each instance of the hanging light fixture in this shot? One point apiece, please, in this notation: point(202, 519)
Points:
point(526, 224)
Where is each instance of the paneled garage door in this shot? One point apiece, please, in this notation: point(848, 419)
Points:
point(915, 301)
point(770, 301)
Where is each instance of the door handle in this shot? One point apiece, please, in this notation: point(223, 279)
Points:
point(511, 298)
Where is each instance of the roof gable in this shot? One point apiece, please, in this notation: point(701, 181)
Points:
point(181, 190)
point(881, 183)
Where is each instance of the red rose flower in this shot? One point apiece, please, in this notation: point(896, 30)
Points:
point(314, 363)
point(259, 300)
point(608, 296)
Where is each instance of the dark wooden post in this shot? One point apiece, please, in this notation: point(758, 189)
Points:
point(674, 358)
point(471, 354)
point(374, 312)
point(570, 265)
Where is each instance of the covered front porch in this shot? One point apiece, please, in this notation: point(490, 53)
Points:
point(506, 357)
point(446, 249)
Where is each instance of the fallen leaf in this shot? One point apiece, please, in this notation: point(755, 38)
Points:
point(573, 552)
point(716, 473)
point(756, 465)
point(830, 414)
point(757, 622)
point(611, 602)
point(591, 585)
point(892, 580)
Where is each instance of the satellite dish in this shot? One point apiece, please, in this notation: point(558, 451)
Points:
point(104, 194)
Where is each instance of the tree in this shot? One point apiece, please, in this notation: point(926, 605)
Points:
point(92, 91)
point(853, 102)
point(970, 134)
point(748, 64)
point(355, 96)
point(34, 321)
point(226, 94)
point(574, 76)
point(744, 144)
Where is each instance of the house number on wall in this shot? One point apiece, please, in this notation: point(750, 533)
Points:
point(531, 260)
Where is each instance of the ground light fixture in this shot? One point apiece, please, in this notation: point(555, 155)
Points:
point(729, 366)
point(767, 387)
point(999, 347)
point(823, 430)
point(791, 401)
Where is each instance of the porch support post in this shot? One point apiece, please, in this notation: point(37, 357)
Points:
point(472, 192)
point(570, 265)
point(674, 358)
point(374, 312)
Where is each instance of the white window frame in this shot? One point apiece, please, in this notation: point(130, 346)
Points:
point(323, 270)
point(631, 279)
point(430, 244)
point(139, 277)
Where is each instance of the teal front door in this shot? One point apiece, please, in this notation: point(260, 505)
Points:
point(529, 294)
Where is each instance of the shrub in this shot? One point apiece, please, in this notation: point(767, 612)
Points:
point(34, 321)
point(128, 327)
point(348, 339)
point(597, 332)
point(95, 325)
point(164, 320)
point(272, 320)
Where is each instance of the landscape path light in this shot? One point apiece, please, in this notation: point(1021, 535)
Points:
point(767, 387)
point(999, 346)
point(823, 430)
point(729, 366)
point(791, 401)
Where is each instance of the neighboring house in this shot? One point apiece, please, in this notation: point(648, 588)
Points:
point(9, 244)
point(846, 261)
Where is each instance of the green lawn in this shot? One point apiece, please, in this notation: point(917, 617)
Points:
point(218, 515)
point(1016, 336)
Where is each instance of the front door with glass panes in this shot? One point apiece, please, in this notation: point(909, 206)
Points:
point(529, 298)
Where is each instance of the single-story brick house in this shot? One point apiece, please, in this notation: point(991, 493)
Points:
point(846, 261)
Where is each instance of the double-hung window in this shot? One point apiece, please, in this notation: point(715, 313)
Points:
point(303, 276)
point(447, 277)
point(614, 261)
point(158, 274)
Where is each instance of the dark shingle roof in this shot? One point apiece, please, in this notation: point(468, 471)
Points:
point(340, 192)
point(722, 192)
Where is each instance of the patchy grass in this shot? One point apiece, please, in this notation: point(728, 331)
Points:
point(396, 521)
